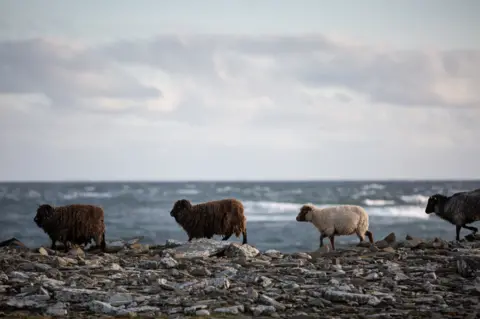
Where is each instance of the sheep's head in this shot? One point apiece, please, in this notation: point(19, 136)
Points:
point(303, 214)
point(179, 207)
point(433, 201)
point(44, 213)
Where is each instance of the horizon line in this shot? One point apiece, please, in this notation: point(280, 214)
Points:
point(246, 180)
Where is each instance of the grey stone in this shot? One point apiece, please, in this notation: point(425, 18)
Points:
point(120, 299)
point(58, 309)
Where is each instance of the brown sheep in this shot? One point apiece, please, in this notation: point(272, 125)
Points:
point(76, 223)
point(221, 217)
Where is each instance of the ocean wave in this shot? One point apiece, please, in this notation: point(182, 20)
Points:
point(373, 186)
point(282, 211)
point(187, 191)
point(75, 195)
point(33, 194)
point(378, 202)
point(414, 199)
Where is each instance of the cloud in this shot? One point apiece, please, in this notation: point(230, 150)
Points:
point(412, 78)
point(69, 75)
point(233, 105)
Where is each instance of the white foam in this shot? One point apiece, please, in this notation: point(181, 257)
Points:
point(75, 195)
point(271, 207)
point(227, 189)
point(33, 194)
point(399, 212)
point(373, 186)
point(187, 191)
point(378, 202)
point(415, 199)
point(282, 211)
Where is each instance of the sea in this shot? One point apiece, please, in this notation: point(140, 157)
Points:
point(142, 209)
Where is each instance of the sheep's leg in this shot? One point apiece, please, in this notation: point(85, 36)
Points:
point(244, 234)
point(103, 244)
point(100, 242)
point(332, 241)
point(458, 232)
point(227, 236)
point(360, 236)
point(473, 229)
point(370, 236)
point(321, 240)
point(67, 245)
point(53, 246)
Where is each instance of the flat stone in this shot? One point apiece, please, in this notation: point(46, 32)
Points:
point(236, 250)
point(198, 248)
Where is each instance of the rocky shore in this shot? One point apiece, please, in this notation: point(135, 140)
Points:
point(411, 278)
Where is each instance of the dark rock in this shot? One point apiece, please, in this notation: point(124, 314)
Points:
point(390, 238)
point(12, 242)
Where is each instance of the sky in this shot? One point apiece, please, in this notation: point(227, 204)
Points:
point(239, 90)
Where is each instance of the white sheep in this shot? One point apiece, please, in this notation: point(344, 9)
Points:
point(337, 220)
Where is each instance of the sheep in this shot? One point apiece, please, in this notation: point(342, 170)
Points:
point(77, 223)
point(459, 209)
point(219, 217)
point(336, 220)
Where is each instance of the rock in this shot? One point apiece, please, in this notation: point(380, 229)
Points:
point(193, 309)
point(202, 312)
point(467, 268)
point(57, 310)
point(79, 295)
point(439, 244)
point(198, 248)
point(382, 244)
point(200, 271)
point(235, 250)
point(301, 255)
point(388, 250)
point(334, 295)
point(252, 293)
point(263, 310)
point(12, 242)
point(43, 251)
point(271, 302)
point(76, 251)
point(234, 310)
point(149, 264)
point(97, 306)
point(171, 243)
point(120, 299)
point(413, 243)
point(168, 262)
point(390, 238)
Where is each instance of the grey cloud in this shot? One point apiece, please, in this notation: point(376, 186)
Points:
point(71, 77)
point(342, 97)
point(396, 77)
point(65, 75)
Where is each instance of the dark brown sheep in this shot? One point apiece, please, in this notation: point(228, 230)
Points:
point(221, 217)
point(72, 224)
